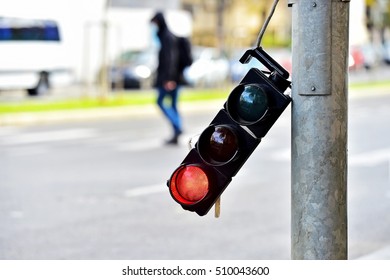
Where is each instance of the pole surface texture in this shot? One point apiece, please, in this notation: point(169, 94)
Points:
point(319, 129)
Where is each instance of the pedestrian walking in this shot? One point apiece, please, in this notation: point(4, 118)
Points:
point(168, 76)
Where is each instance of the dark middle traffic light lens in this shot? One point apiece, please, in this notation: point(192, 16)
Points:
point(248, 104)
point(218, 144)
point(189, 184)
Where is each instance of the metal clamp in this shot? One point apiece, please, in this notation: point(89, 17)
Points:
point(265, 59)
point(292, 2)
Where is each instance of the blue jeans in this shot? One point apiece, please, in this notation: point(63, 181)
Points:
point(170, 109)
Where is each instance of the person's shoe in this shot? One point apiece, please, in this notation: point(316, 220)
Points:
point(174, 140)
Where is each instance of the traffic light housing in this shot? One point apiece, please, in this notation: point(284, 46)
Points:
point(225, 145)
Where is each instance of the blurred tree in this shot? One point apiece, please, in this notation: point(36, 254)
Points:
point(369, 17)
point(377, 19)
point(384, 7)
point(231, 24)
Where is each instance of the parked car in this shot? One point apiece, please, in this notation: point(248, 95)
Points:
point(208, 69)
point(134, 70)
point(368, 56)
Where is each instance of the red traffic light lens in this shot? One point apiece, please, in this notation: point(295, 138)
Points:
point(189, 184)
point(218, 144)
point(248, 104)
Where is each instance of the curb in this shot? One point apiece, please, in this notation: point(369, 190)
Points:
point(142, 111)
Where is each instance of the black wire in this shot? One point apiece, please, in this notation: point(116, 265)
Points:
point(265, 25)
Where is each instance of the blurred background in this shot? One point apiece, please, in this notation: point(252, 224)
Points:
point(109, 42)
point(82, 166)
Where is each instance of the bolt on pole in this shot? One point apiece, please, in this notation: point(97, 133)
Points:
point(319, 129)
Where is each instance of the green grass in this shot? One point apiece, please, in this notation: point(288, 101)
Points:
point(365, 85)
point(117, 99)
point(133, 98)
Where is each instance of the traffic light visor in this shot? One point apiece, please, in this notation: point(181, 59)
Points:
point(248, 103)
point(218, 144)
point(189, 184)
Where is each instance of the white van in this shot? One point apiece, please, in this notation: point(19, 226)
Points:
point(32, 55)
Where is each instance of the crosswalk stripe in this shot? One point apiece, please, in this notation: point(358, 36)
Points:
point(48, 136)
point(370, 158)
point(146, 190)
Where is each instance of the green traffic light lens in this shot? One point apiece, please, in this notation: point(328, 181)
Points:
point(218, 144)
point(248, 104)
point(253, 103)
point(189, 184)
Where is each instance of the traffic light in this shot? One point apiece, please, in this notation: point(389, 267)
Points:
point(224, 146)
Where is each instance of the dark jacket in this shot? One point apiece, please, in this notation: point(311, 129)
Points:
point(167, 69)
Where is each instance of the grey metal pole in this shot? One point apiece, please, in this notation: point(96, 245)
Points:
point(319, 129)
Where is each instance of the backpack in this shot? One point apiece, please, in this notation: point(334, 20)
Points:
point(185, 55)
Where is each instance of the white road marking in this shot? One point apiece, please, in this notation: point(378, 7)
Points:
point(14, 137)
point(48, 136)
point(5, 131)
point(16, 214)
point(141, 145)
point(146, 190)
point(27, 151)
point(370, 158)
point(152, 143)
